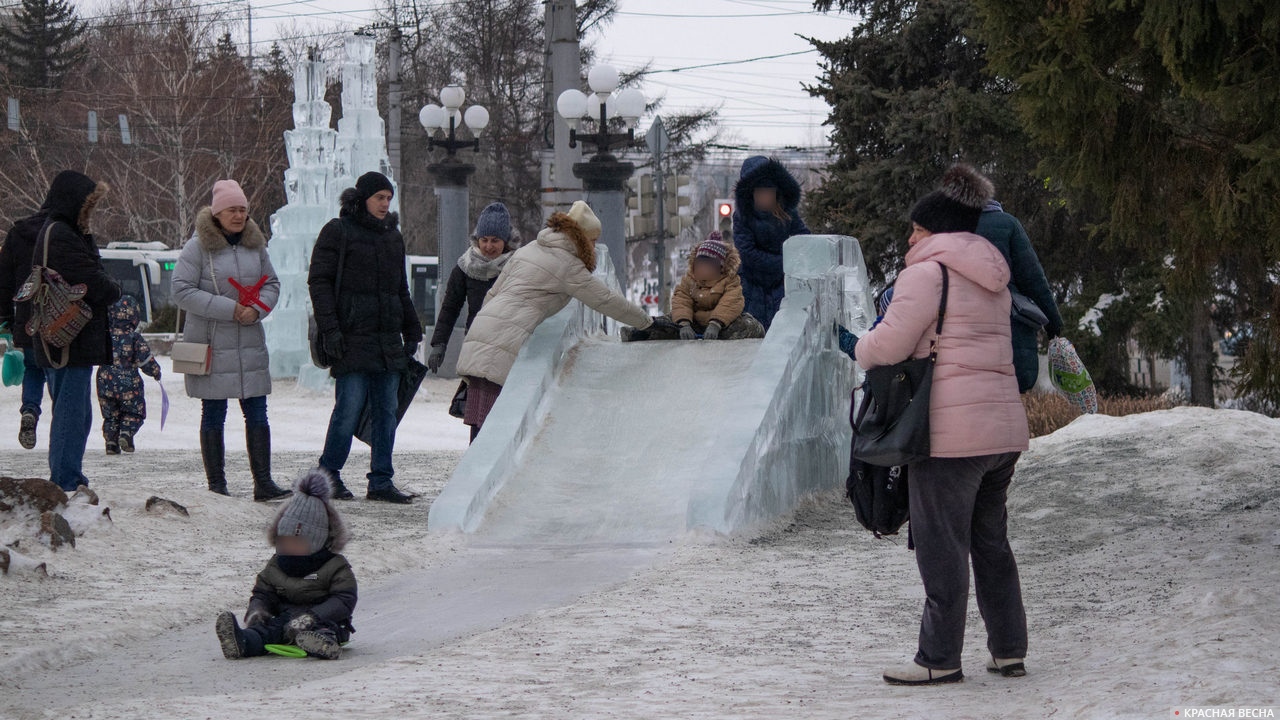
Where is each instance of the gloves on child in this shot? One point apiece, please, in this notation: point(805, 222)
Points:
point(436, 358)
point(712, 332)
point(302, 623)
point(256, 616)
point(687, 332)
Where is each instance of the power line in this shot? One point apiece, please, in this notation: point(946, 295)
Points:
point(727, 62)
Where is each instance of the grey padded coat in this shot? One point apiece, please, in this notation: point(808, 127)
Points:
point(240, 367)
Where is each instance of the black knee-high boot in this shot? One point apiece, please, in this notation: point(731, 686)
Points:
point(214, 454)
point(258, 441)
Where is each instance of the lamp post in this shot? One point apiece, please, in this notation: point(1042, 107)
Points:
point(604, 176)
point(451, 175)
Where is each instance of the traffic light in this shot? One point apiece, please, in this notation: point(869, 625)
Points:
point(677, 196)
point(724, 216)
point(641, 197)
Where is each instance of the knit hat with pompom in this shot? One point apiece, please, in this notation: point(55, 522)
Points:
point(957, 205)
point(310, 514)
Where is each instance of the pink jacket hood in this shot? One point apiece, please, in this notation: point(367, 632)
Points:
point(968, 254)
point(974, 407)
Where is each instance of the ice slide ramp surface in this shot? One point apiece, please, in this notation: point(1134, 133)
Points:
point(597, 442)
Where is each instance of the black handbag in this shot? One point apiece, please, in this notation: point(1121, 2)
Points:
point(458, 405)
point(892, 427)
point(410, 380)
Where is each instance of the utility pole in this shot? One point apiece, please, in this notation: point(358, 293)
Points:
point(249, 10)
point(393, 102)
point(561, 187)
point(658, 140)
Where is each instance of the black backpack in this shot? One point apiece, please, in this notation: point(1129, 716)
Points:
point(879, 495)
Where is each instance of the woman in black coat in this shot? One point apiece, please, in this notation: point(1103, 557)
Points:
point(368, 327)
point(492, 244)
point(15, 268)
point(73, 254)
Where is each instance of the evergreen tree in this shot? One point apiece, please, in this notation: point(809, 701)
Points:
point(1164, 114)
point(43, 43)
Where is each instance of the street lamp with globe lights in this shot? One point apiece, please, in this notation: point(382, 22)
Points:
point(604, 176)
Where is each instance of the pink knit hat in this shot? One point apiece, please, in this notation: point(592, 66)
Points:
point(227, 194)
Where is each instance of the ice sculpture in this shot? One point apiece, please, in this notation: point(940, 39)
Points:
point(781, 433)
point(322, 163)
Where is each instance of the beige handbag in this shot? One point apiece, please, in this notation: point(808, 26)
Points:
point(194, 358)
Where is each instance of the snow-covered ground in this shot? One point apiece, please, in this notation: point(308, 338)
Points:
point(1148, 546)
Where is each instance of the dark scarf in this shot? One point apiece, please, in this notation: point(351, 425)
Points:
point(303, 565)
point(233, 238)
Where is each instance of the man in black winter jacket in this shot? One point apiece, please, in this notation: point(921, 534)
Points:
point(15, 268)
point(368, 327)
point(73, 254)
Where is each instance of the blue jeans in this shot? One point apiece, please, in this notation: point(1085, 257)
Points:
point(32, 383)
point(213, 413)
point(353, 391)
point(69, 429)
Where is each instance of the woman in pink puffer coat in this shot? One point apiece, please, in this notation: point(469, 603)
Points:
point(977, 425)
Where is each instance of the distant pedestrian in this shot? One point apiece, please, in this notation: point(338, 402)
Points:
point(15, 268)
point(73, 254)
point(1028, 280)
point(226, 284)
point(122, 400)
point(537, 282)
point(708, 301)
point(765, 215)
point(977, 429)
point(368, 326)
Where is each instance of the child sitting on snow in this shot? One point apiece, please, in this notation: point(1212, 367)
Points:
point(307, 592)
point(121, 396)
point(708, 301)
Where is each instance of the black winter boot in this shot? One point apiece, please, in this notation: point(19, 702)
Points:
point(319, 643)
point(340, 489)
point(258, 440)
point(214, 454)
point(230, 636)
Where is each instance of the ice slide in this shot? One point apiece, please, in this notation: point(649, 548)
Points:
point(597, 442)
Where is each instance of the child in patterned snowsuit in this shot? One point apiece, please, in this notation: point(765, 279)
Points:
point(120, 392)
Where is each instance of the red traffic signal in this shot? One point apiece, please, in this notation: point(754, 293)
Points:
point(724, 208)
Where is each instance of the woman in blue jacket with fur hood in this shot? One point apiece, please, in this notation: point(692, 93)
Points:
point(765, 214)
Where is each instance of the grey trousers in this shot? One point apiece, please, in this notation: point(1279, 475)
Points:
point(957, 513)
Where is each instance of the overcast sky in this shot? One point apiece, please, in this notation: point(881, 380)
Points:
point(762, 103)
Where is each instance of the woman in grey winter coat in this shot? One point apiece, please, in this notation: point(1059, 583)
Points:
point(225, 284)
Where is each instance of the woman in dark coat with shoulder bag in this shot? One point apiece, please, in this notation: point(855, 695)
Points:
point(368, 327)
point(69, 371)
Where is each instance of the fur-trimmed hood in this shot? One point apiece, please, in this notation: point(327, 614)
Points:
point(352, 205)
point(563, 232)
point(732, 260)
point(72, 197)
point(760, 171)
point(212, 239)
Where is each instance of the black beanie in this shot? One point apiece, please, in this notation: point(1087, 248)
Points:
point(957, 205)
point(371, 183)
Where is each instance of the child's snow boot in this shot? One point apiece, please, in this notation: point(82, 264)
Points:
point(126, 442)
point(214, 454)
point(230, 636)
point(319, 643)
point(258, 441)
point(113, 448)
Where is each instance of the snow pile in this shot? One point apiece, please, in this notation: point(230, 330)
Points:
point(1147, 547)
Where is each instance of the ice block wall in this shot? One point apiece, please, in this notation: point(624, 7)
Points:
point(322, 163)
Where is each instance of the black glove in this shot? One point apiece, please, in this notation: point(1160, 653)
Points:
point(662, 324)
point(436, 358)
point(331, 343)
point(687, 332)
point(411, 348)
point(1053, 330)
point(256, 615)
point(713, 331)
point(302, 623)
